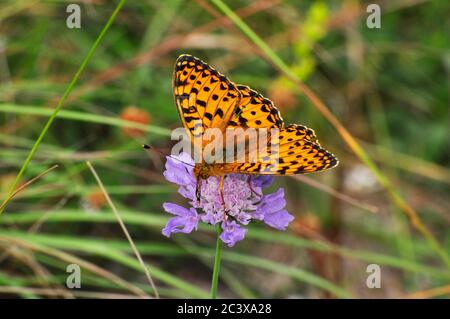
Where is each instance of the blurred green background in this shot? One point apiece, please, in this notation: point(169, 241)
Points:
point(388, 87)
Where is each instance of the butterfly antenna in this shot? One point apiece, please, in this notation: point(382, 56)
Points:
point(148, 147)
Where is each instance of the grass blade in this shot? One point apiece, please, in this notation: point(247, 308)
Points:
point(125, 230)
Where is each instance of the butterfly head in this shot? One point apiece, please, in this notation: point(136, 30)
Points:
point(203, 171)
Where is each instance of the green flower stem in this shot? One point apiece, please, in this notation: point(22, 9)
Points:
point(217, 258)
point(63, 98)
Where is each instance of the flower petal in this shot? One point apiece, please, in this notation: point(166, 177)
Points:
point(172, 226)
point(279, 220)
point(177, 171)
point(232, 233)
point(185, 220)
point(262, 180)
point(271, 203)
point(187, 191)
point(175, 209)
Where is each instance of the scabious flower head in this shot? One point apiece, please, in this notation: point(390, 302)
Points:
point(244, 202)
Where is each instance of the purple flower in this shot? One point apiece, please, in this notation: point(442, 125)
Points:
point(243, 196)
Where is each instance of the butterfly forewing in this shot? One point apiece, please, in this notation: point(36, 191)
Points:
point(203, 94)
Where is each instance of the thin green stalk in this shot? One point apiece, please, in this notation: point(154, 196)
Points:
point(63, 98)
point(340, 128)
point(217, 258)
point(124, 229)
point(82, 117)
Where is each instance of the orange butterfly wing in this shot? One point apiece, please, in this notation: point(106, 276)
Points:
point(203, 94)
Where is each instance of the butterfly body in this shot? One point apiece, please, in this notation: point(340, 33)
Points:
point(206, 99)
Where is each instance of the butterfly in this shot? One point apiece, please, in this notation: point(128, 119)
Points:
point(203, 95)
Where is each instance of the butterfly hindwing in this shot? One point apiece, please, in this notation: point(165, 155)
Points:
point(296, 131)
point(297, 152)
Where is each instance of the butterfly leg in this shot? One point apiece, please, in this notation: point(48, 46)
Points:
point(198, 189)
point(222, 197)
point(249, 181)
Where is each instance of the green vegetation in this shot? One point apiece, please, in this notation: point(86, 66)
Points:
point(377, 98)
